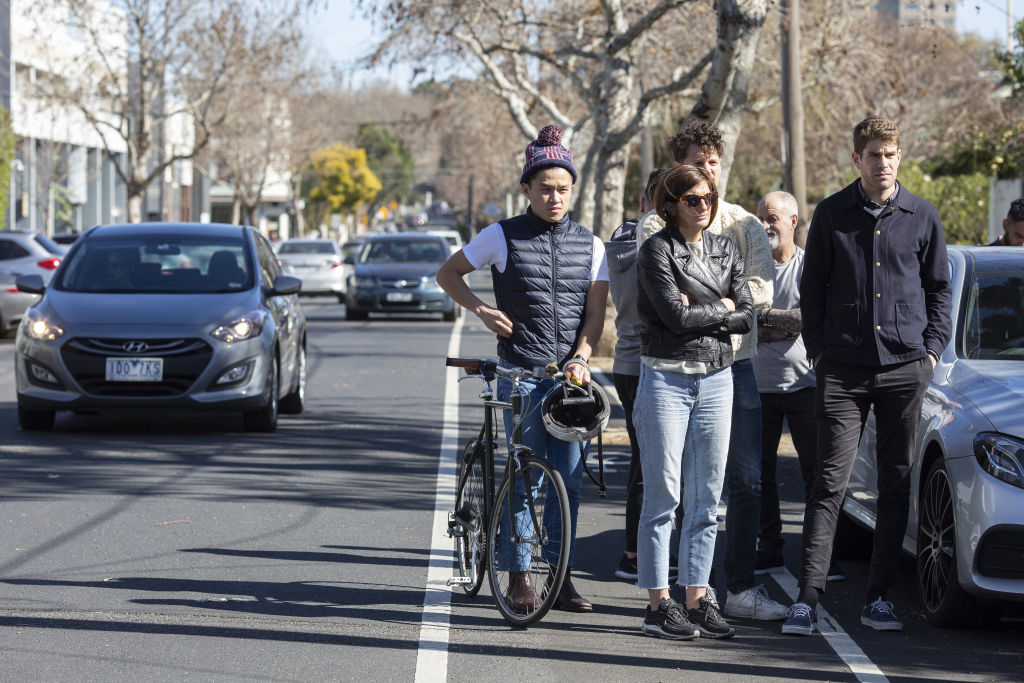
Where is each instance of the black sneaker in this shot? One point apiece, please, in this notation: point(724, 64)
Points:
point(709, 620)
point(668, 621)
point(766, 562)
point(627, 568)
point(835, 572)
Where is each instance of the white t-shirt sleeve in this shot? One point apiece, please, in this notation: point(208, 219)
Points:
point(488, 248)
point(599, 262)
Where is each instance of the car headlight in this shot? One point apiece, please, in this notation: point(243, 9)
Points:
point(246, 327)
point(428, 282)
point(365, 282)
point(1001, 456)
point(41, 329)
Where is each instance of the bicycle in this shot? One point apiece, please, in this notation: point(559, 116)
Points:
point(492, 527)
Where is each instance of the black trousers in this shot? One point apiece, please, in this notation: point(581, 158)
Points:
point(795, 408)
point(844, 395)
point(626, 386)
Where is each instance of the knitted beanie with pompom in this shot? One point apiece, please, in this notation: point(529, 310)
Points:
point(547, 151)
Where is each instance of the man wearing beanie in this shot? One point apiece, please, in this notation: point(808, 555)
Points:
point(550, 281)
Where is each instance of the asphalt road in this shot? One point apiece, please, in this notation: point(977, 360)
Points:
point(177, 546)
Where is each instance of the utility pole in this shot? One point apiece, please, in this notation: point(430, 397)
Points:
point(1009, 26)
point(469, 209)
point(793, 113)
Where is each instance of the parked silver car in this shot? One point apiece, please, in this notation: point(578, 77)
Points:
point(318, 263)
point(966, 524)
point(13, 303)
point(163, 316)
point(23, 252)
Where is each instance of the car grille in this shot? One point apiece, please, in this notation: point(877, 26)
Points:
point(399, 283)
point(184, 361)
point(1001, 554)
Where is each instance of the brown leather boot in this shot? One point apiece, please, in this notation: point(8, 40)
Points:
point(521, 592)
point(568, 599)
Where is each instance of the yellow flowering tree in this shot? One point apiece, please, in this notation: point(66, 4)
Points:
point(338, 180)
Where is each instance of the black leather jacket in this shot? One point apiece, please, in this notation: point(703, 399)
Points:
point(700, 331)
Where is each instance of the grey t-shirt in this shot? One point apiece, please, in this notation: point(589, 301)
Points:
point(782, 367)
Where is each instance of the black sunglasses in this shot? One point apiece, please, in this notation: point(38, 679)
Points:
point(694, 200)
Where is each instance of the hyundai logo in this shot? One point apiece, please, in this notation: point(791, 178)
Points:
point(135, 347)
point(399, 284)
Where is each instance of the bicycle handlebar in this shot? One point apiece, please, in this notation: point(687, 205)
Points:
point(490, 367)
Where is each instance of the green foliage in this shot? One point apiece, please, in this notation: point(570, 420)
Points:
point(390, 160)
point(7, 142)
point(962, 200)
point(997, 151)
point(338, 181)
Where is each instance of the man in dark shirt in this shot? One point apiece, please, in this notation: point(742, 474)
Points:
point(1013, 227)
point(875, 301)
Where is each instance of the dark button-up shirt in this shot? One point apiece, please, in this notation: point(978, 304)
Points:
point(875, 291)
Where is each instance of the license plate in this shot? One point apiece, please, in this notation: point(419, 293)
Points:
point(135, 369)
point(401, 297)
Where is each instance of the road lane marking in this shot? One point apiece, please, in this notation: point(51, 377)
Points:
point(432, 655)
point(843, 645)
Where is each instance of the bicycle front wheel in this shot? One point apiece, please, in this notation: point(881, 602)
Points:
point(470, 521)
point(528, 541)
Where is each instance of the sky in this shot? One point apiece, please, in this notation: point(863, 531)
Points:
point(344, 34)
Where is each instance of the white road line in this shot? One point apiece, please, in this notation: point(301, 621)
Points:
point(851, 654)
point(432, 655)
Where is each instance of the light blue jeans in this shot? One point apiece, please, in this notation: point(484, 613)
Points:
point(682, 426)
point(564, 458)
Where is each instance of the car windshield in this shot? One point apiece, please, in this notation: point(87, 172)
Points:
point(404, 251)
point(994, 317)
point(306, 248)
point(171, 264)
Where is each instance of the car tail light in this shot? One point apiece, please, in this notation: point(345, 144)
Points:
point(335, 264)
point(12, 290)
point(49, 263)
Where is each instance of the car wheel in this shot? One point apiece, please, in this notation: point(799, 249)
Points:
point(341, 298)
point(265, 419)
point(449, 316)
point(292, 403)
point(355, 314)
point(35, 420)
point(944, 601)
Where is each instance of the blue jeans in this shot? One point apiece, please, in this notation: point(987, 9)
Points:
point(564, 458)
point(682, 426)
point(743, 479)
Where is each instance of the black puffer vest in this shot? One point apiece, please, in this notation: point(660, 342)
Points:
point(543, 289)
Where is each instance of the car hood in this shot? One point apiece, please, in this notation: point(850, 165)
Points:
point(406, 270)
point(89, 309)
point(996, 388)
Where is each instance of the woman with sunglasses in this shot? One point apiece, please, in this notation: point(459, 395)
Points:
point(692, 294)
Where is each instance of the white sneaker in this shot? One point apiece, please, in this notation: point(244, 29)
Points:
point(754, 603)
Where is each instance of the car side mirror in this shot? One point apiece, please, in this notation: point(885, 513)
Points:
point(283, 285)
point(31, 284)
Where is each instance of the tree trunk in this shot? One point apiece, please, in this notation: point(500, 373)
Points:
point(135, 197)
point(724, 95)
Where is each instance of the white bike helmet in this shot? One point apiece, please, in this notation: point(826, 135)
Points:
point(576, 413)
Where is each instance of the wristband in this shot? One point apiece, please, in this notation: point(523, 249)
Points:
point(577, 359)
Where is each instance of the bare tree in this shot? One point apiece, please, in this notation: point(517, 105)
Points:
point(142, 67)
point(595, 70)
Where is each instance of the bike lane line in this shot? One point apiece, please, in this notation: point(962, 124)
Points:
point(432, 654)
point(839, 640)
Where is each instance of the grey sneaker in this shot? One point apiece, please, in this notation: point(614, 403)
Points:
point(879, 616)
point(668, 621)
point(754, 603)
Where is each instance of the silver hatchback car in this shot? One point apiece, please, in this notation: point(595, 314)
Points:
point(966, 526)
point(163, 316)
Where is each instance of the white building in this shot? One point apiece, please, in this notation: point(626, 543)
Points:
point(62, 178)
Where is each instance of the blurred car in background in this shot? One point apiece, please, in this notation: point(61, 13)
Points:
point(13, 303)
point(24, 252)
point(65, 238)
point(966, 524)
point(452, 237)
point(397, 274)
point(318, 263)
point(163, 316)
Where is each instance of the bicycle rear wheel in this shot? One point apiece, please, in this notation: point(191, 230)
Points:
point(528, 550)
point(470, 505)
